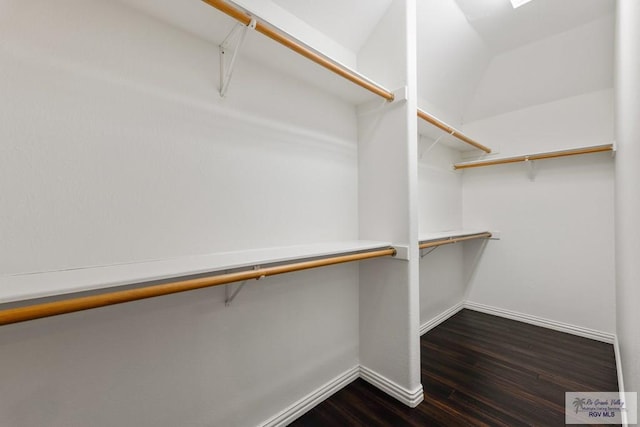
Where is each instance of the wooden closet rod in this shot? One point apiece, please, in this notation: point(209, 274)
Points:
point(37, 311)
point(452, 131)
point(447, 240)
point(298, 47)
point(539, 156)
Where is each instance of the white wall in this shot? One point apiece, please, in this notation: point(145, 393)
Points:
point(440, 196)
point(442, 279)
point(387, 169)
point(126, 152)
point(627, 195)
point(117, 148)
point(443, 283)
point(572, 122)
point(451, 60)
point(555, 258)
point(554, 93)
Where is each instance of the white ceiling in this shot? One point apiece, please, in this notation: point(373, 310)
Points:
point(503, 28)
point(348, 22)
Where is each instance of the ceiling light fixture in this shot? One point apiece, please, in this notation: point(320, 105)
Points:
point(517, 3)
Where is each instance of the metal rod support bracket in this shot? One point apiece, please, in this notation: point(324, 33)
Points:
point(427, 251)
point(227, 72)
point(230, 296)
point(532, 169)
point(438, 139)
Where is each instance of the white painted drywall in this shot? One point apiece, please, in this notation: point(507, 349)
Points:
point(126, 152)
point(115, 147)
point(210, 24)
point(627, 194)
point(555, 258)
point(451, 60)
point(551, 94)
point(442, 279)
point(440, 195)
point(572, 122)
point(387, 169)
point(205, 21)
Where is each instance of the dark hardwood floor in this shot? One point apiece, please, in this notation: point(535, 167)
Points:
point(482, 370)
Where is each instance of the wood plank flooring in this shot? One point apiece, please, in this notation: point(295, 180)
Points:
point(482, 370)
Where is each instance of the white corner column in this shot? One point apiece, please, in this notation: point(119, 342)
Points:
point(627, 193)
point(388, 179)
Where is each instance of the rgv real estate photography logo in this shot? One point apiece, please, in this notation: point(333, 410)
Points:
point(601, 408)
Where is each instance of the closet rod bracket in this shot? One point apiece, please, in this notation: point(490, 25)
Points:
point(230, 296)
point(227, 72)
point(402, 252)
point(425, 252)
point(532, 168)
point(433, 144)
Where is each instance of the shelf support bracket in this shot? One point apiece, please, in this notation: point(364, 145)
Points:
point(425, 252)
point(230, 296)
point(227, 72)
point(434, 144)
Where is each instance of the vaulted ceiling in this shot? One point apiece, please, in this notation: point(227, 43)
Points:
point(502, 27)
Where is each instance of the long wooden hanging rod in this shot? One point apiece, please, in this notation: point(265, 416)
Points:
point(37, 311)
point(448, 240)
point(303, 50)
point(452, 131)
point(538, 156)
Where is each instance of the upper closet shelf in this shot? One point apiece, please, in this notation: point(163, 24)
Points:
point(447, 134)
point(297, 46)
point(21, 287)
point(430, 240)
point(537, 156)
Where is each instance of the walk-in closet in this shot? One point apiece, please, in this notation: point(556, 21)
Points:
point(271, 212)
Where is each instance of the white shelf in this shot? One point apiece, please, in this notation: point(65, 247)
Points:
point(45, 284)
point(451, 234)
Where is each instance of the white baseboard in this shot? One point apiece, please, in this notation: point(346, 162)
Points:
point(303, 405)
point(408, 397)
point(540, 321)
point(430, 324)
point(413, 398)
